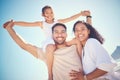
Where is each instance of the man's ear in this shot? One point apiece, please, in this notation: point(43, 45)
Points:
point(66, 34)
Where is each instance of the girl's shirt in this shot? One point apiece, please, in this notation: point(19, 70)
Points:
point(47, 29)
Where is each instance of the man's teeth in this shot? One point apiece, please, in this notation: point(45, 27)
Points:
point(59, 38)
point(80, 35)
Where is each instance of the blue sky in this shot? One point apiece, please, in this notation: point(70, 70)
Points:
point(17, 64)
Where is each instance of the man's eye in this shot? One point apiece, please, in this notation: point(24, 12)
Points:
point(63, 31)
point(55, 31)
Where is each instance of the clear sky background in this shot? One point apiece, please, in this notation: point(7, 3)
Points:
point(17, 64)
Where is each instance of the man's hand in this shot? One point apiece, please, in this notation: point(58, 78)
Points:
point(8, 24)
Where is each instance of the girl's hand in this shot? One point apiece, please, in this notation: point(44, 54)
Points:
point(51, 47)
point(76, 75)
point(86, 13)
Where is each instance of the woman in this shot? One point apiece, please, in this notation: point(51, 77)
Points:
point(97, 64)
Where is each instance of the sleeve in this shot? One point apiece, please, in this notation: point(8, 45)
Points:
point(103, 60)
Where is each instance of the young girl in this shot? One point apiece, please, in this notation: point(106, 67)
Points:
point(97, 64)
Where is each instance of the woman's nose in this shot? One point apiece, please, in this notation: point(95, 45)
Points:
point(79, 31)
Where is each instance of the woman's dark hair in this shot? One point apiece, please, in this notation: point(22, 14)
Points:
point(45, 7)
point(93, 32)
point(58, 24)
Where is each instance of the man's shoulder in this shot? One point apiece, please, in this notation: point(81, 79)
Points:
point(67, 48)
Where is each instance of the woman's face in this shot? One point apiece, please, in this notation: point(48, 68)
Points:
point(81, 32)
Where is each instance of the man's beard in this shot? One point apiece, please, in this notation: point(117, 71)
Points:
point(59, 43)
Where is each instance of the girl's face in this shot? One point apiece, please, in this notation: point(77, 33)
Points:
point(48, 14)
point(81, 32)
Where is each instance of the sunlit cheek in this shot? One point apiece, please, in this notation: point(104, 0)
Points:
point(52, 15)
point(54, 35)
point(76, 34)
point(65, 35)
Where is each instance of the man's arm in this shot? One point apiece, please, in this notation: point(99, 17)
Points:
point(28, 47)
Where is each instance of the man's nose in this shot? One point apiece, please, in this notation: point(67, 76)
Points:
point(59, 34)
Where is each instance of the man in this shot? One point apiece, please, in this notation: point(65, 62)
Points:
point(65, 57)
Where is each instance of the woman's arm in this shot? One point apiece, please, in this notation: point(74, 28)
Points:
point(88, 16)
point(80, 76)
point(95, 74)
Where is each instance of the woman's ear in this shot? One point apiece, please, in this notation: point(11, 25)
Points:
point(89, 32)
point(42, 14)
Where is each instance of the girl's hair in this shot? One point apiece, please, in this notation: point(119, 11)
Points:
point(45, 7)
point(58, 24)
point(93, 32)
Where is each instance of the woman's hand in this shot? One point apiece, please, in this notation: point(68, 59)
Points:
point(76, 75)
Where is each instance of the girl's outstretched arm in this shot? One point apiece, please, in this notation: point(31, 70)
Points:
point(85, 13)
point(28, 24)
point(70, 18)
